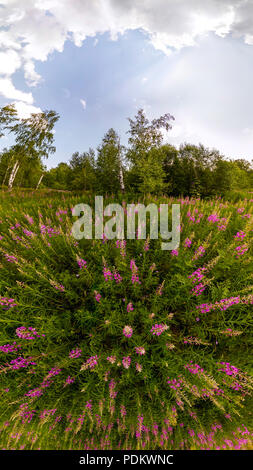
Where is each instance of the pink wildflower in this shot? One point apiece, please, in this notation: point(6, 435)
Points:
point(75, 353)
point(140, 350)
point(158, 329)
point(127, 331)
point(126, 361)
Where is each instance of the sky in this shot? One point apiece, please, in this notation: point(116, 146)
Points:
point(96, 62)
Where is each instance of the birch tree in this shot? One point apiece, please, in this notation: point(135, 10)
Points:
point(144, 155)
point(8, 118)
point(41, 178)
point(34, 136)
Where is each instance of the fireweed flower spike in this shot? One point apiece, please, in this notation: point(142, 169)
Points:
point(187, 243)
point(158, 329)
point(130, 307)
point(240, 250)
point(135, 278)
point(75, 353)
point(27, 333)
point(159, 290)
point(107, 274)
point(174, 252)
point(199, 252)
point(11, 258)
point(81, 263)
point(127, 331)
point(7, 303)
point(111, 359)
point(21, 362)
point(117, 277)
point(90, 363)
point(240, 235)
point(121, 244)
point(138, 367)
point(69, 380)
point(59, 287)
point(126, 361)
point(140, 350)
point(10, 348)
point(97, 296)
point(146, 245)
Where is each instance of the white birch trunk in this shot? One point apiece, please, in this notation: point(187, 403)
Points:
point(13, 174)
point(121, 179)
point(5, 176)
point(41, 178)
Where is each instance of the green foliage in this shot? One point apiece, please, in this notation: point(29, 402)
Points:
point(87, 306)
point(59, 177)
point(108, 163)
point(83, 177)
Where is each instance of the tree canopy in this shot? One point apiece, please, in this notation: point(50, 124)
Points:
point(146, 165)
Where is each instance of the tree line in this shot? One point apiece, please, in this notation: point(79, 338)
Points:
point(145, 165)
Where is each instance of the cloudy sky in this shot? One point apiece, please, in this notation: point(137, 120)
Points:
point(97, 61)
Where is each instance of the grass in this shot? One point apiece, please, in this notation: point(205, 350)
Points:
point(79, 382)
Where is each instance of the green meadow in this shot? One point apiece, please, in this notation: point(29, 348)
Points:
point(117, 344)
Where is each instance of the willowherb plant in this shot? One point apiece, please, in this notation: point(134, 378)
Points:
point(90, 350)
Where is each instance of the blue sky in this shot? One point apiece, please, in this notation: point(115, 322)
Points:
point(107, 76)
point(97, 71)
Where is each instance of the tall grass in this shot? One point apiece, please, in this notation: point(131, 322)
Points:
point(111, 344)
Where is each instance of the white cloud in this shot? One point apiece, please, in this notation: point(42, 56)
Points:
point(9, 62)
point(83, 103)
point(24, 110)
point(33, 29)
point(37, 28)
point(8, 90)
point(31, 76)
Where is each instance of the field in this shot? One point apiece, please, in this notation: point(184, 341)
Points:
point(108, 344)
